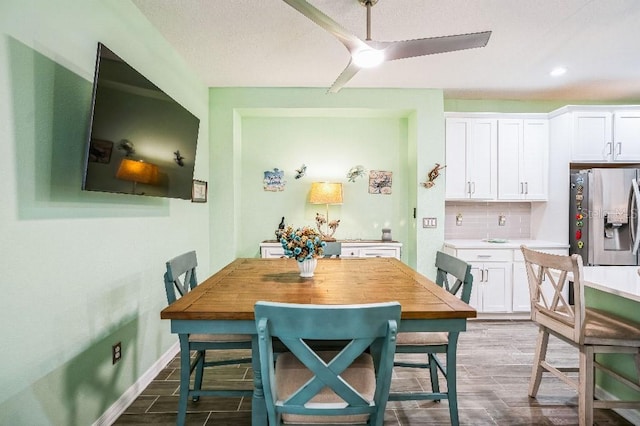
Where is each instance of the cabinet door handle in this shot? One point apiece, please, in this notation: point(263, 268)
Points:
point(487, 276)
point(610, 146)
point(468, 187)
point(619, 145)
point(481, 275)
point(526, 187)
point(484, 256)
point(521, 188)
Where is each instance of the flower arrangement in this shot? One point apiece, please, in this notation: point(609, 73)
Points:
point(301, 243)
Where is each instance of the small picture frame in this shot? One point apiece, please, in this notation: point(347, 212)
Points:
point(100, 151)
point(199, 191)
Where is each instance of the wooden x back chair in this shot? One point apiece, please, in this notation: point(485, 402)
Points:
point(454, 275)
point(591, 331)
point(179, 279)
point(308, 385)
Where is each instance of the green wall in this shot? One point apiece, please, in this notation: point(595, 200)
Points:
point(81, 270)
point(253, 130)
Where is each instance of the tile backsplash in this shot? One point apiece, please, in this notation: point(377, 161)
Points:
point(481, 220)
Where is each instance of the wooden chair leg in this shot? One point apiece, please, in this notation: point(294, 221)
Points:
point(197, 383)
point(540, 356)
point(586, 386)
point(185, 372)
point(433, 372)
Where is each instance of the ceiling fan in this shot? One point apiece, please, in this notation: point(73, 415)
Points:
point(369, 53)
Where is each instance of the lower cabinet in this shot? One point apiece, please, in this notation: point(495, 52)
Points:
point(500, 283)
point(491, 288)
point(360, 248)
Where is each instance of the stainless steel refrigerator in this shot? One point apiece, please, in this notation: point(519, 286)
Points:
point(603, 209)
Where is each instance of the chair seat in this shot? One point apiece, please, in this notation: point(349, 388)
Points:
point(607, 329)
point(435, 338)
point(219, 338)
point(291, 374)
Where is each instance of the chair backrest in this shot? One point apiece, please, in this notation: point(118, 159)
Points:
point(180, 277)
point(548, 276)
point(450, 269)
point(360, 327)
point(332, 249)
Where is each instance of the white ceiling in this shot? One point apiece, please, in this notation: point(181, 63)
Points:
point(266, 43)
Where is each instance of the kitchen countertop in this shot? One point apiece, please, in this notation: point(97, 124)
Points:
point(623, 281)
point(509, 244)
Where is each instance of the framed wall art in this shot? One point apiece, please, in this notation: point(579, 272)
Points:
point(380, 182)
point(199, 192)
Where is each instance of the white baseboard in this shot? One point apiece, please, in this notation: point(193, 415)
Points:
point(629, 414)
point(118, 407)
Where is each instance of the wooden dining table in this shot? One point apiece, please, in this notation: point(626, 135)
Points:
point(224, 302)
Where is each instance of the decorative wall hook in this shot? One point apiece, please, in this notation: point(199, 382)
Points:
point(178, 158)
point(432, 176)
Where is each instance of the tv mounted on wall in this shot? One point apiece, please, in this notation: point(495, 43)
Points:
point(141, 141)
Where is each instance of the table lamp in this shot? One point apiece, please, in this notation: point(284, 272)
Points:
point(137, 172)
point(326, 193)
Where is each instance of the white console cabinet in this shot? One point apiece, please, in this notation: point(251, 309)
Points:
point(350, 248)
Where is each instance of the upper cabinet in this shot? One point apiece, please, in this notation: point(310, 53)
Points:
point(523, 149)
point(601, 133)
point(497, 156)
point(471, 157)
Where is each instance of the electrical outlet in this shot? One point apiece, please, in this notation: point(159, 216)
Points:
point(459, 219)
point(116, 352)
point(502, 220)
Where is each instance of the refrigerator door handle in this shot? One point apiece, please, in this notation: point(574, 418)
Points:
point(634, 208)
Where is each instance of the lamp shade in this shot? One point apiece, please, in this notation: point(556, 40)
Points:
point(137, 171)
point(325, 193)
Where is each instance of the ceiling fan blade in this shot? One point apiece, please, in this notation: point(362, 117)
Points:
point(350, 41)
point(430, 46)
point(346, 75)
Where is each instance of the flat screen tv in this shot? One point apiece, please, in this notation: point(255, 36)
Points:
point(141, 141)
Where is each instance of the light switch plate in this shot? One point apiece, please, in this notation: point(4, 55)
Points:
point(429, 222)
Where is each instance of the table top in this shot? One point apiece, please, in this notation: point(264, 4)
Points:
point(230, 294)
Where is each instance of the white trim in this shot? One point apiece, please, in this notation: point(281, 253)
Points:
point(121, 404)
point(629, 414)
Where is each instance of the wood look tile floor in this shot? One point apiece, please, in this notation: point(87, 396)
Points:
point(494, 366)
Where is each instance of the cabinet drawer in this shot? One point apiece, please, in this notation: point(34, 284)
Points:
point(517, 254)
point(378, 252)
point(485, 255)
point(271, 252)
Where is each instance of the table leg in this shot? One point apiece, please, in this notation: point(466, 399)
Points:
point(258, 407)
point(185, 372)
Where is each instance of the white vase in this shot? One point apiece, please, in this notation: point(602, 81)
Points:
point(307, 267)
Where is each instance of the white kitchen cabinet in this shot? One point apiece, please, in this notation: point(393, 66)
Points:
point(471, 157)
point(491, 270)
point(500, 287)
point(491, 287)
point(523, 147)
point(359, 248)
point(604, 133)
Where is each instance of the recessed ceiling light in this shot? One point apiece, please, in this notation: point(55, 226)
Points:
point(557, 72)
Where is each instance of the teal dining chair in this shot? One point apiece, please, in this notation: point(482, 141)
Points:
point(179, 279)
point(310, 385)
point(454, 275)
point(332, 249)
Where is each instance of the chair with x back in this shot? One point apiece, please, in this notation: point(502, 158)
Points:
point(454, 275)
point(309, 385)
point(179, 279)
point(590, 330)
point(332, 249)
